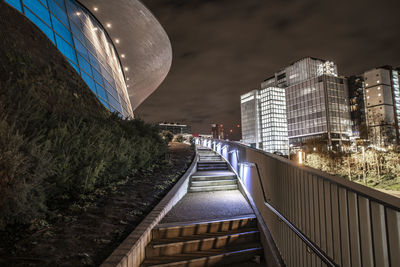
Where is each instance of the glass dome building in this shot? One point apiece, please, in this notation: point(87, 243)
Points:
point(84, 41)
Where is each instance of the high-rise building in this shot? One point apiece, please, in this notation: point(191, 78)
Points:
point(107, 43)
point(382, 101)
point(217, 131)
point(316, 101)
point(251, 118)
point(305, 100)
point(174, 127)
point(318, 108)
point(357, 107)
point(273, 120)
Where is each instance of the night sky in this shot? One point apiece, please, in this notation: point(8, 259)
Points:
point(224, 48)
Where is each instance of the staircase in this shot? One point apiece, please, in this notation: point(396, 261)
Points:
point(212, 174)
point(204, 242)
point(207, 243)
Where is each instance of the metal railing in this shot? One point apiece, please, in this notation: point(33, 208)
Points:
point(317, 219)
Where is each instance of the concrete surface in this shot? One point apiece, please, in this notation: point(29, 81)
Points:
point(208, 206)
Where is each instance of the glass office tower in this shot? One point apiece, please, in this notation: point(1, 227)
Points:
point(85, 44)
point(250, 116)
point(273, 120)
point(318, 108)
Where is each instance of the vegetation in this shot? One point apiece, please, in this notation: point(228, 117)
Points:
point(372, 167)
point(57, 142)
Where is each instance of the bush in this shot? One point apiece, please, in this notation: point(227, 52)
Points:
point(57, 141)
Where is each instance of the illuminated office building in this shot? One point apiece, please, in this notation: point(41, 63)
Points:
point(382, 101)
point(251, 118)
point(274, 132)
point(357, 107)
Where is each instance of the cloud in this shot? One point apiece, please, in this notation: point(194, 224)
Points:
point(224, 48)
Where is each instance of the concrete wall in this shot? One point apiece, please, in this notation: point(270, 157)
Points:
point(131, 252)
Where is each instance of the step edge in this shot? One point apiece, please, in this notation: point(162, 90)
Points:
point(179, 243)
point(225, 254)
point(194, 223)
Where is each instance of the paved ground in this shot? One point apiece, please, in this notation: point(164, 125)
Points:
point(209, 205)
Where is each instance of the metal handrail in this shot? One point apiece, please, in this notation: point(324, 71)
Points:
point(321, 254)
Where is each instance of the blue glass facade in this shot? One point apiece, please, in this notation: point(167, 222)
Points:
point(86, 46)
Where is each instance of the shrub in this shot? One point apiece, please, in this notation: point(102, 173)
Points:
point(57, 142)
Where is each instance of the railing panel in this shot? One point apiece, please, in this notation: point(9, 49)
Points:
point(379, 235)
point(322, 214)
point(393, 223)
point(314, 218)
point(354, 229)
point(344, 227)
point(365, 229)
point(328, 216)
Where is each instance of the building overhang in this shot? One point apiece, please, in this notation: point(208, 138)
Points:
point(142, 44)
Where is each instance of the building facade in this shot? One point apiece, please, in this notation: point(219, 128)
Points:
point(306, 100)
point(175, 128)
point(251, 118)
point(318, 108)
point(357, 107)
point(382, 101)
point(85, 42)
point(274, 133)
point(217, 131)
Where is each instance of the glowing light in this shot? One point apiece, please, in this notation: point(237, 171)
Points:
point(300, 155)
point(95, 9)
point(238, 125)
point(126, 68)
point(123, 55)
point(78, 13)
point(117, 41)
point(108, 25)
point(230, 130)
point(127, 79)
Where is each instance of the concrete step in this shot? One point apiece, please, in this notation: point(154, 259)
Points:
point(173, 230)
point(212, 182)
point(208, 258)
point(212, 177)
point(221, 162)
point(213, 168)
point(203, 242)
point(213, 188)
point(201, 159)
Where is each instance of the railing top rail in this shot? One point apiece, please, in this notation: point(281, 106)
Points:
point(367, 192)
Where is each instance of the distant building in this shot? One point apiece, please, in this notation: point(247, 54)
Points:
point(217, 131)
point(357, 107)
point(316, 101)
point(382, 98)
point(273, 120)
point(318, 108)
point(175, 128)
point(251, 118)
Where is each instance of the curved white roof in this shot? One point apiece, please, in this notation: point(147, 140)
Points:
point(141, 42)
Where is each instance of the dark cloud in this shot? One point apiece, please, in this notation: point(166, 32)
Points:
point(224, 48)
